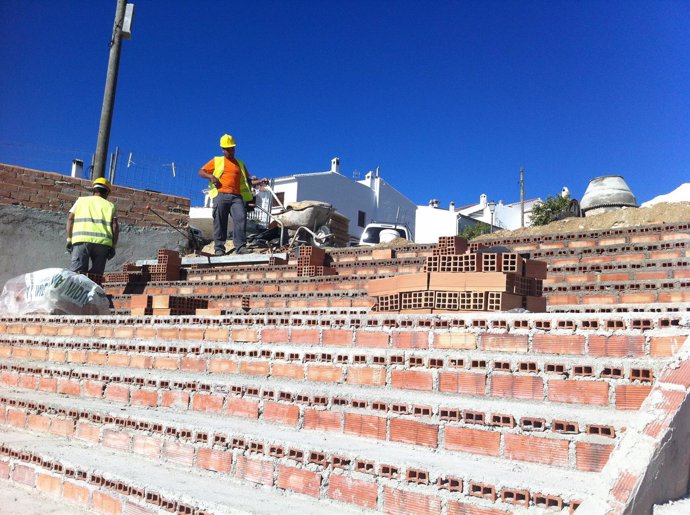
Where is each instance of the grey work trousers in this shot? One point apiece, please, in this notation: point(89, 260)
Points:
point(224, 205)
point(82, 252)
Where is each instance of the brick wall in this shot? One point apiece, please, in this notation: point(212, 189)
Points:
point(55, 192)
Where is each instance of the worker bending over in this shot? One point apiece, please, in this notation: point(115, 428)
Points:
point(230, 189)
point(92, 230)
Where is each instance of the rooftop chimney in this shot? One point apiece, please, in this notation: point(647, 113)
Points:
point(335, 165)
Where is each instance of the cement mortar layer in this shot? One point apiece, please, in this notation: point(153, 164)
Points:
point(17, 498)
point(191, 486)
point(34, 239)
point(533, 477)
point(219, 384)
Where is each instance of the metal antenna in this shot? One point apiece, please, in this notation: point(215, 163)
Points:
point(172, 165)
point(129, 161)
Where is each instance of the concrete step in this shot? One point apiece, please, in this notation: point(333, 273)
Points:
point(107, 480)
point(185, 438)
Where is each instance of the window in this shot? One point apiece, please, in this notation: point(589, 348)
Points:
point(281, 197)
point(361, 219)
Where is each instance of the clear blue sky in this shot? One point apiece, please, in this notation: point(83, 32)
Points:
point(449, 98)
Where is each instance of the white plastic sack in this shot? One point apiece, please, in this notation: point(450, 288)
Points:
point(53, 291)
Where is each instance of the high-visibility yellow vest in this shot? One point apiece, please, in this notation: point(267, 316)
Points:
point(93, 221)
point(219, 168)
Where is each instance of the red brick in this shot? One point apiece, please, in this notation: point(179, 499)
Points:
point(305, 337)
point(400, 501)
point(116, 392)
point(666, 345)
point(299, 480)
point(147, 446)
point(369, 426)
point(118, 359)
point(470, 383)
point(518, 387)
point(558, 344)
point(476, 441)
point(49, 484)
point(96, 358)
point(166, 363)
point(457, 341)
point(216, 460)
point(275, 335)
point(62, 427)
point(116, 439)
point(256, 471)
point(178, 453)
point(335, 338)
point(87, 431)
point(144, 397)
point(193, 364)
point(352, 491)
point(216, 334)
point(104, 503)
point(549, 451)
point(39, 423)
point(367, 375)
point(207, 403)
point(255, 368)
point(28, 382)
point(24, 475)
point(323, 420)
point(410, 340)
point(412, 380)
point(174, 399)
point(504, 342)
point(418, 433)
point(93, 389)
point(373, 339)
point(287, 370)
point(245, 335)
point(283, 413)
point(324, 373)
point(624, 487)
point(16, 417)
point(75, 493)
point(242, 408)
point(581, 392)
point(223, 366)
point(47, 384)
point(4, 470)
point(68, 387)
point(631, 396)
point(618, 346)
point(591, 457)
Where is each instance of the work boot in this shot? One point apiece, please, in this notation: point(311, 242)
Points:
point(219, 252)
point(242, 250)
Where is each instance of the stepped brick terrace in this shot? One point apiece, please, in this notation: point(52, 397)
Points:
point(299, 385)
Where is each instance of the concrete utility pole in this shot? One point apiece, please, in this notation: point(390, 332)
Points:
point(109, 95)
point(522, 197)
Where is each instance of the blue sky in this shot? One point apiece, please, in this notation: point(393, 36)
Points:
point(448, 98)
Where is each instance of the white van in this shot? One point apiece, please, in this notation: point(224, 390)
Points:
point(379, 232)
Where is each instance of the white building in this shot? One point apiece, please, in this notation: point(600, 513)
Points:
point(369, 200)
point(434, 221)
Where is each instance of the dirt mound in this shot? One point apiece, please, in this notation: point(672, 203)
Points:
point(627, 217)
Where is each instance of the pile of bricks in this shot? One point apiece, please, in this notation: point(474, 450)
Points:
point(168, 268)
point(311, 262)
point(165, 305)
point(455, 280)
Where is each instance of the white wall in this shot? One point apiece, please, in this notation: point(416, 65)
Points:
point(432, 222)
point(394, 204)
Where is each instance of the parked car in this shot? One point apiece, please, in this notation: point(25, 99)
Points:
point(378, 232)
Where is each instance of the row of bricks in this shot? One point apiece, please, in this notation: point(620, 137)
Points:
point(575, 267)
point(647, 243)
point(621, 253)
point(598, 299)
point(477, 382)
point(114, 497)
point(86, 489)
point(605, 260)
point(123, 433)
point(628, 287)
point(612, 277)
point(620, 308)
point(600, 345)
point(320, 412)
point(508, 386)
point(457, 301)
point(641, 231)
point(201, 359)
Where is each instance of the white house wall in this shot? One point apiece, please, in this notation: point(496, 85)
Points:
point(393, 204)
point(434, 222)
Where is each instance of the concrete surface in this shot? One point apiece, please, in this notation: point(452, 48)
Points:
point(16, 498)
point(33, 239)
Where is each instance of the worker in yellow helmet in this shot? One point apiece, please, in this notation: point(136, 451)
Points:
point(230, 189)
point(92, 230)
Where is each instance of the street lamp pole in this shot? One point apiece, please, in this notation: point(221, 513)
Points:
point(109, 94)
point(492, 208)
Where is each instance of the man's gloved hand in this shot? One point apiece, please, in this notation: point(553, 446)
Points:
point(111, 253)
point(68, 246)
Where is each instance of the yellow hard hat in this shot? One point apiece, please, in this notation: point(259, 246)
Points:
point(227, 141)
point(103, 184)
